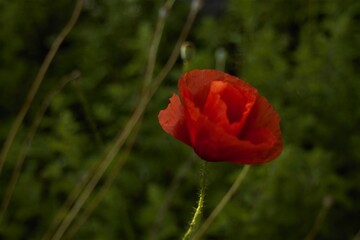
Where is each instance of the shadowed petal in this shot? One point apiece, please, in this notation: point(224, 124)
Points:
point(213, 144)
point(172, 120)
point(262, 116)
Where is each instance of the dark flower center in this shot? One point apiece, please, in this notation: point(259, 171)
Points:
point(228, 105)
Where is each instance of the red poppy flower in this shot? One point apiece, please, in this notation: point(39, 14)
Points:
point(223, 118)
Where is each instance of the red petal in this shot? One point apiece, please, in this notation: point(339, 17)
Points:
point(215, 108)
point(198, 82)
point(172, 120)
point(214, 144)
point(262, 116)
point(262, 120)
point(228, 106)
point(211, 142)
point(260, 138)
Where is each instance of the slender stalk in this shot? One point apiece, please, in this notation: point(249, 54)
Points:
point(68, 203)
point(178, 177)
point(198, 211)
point(37, 82)
point(147, 78)
point(222, 203)
point(327, 203)
point(175, 53)
point(27, 143)
point(101, 169)
point(163, 13)
point(102, 192)
point(357, 236)
point(124, 134)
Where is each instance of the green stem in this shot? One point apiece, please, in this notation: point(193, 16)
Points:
point(200, 205)
point(222, 203)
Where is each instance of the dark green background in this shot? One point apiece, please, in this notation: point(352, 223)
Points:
point(303, 55)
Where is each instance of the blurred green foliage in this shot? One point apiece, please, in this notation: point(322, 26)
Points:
point(304, 56)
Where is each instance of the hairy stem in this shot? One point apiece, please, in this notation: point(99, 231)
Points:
point(222, 203)
point(198, 211)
